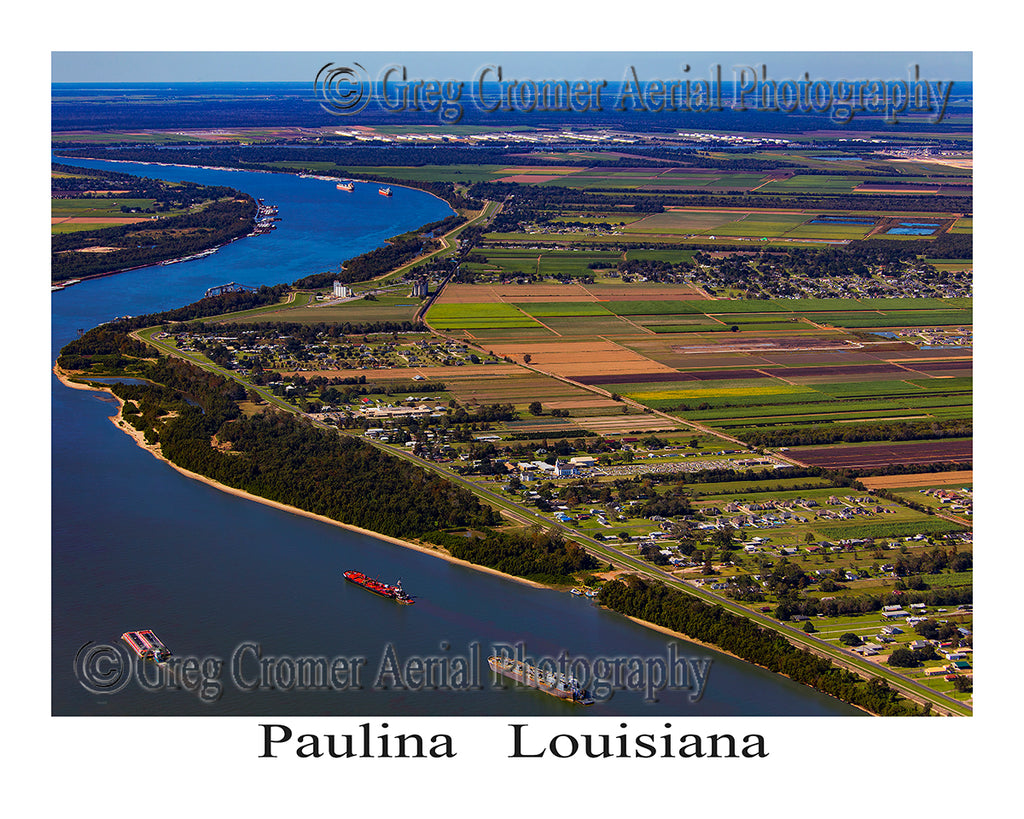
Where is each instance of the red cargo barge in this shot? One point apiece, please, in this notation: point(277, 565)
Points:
point(395, 592)
point(147, 645)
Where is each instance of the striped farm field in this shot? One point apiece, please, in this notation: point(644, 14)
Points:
point(897, 318)
point(867, 456)
point(563, 308)
point(472, 316)
point(931, 479)
point(579, 326)
point(671, 256)
point(746, 390)
point(656, 308)
point(688, 327)
point(685, 221)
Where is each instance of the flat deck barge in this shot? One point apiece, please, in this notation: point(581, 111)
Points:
point(556, 684)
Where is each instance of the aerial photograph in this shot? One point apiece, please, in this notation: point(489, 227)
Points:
point(418, 387)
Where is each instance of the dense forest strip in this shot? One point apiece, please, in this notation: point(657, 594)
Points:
point(193, 415)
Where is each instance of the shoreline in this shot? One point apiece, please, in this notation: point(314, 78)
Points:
point(118, 421)
point(215, 248)
point(720, 650)
point(298, 175)
point(138, 437)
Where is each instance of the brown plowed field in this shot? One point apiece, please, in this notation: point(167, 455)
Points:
point(611, 424)
point(489, 294)
point(934, 366)
point(927, 479)
point(668, 377)
point(571, 359)
point(879, 455)
point(534, 178)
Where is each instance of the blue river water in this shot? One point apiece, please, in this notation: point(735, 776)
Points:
point(242, 590)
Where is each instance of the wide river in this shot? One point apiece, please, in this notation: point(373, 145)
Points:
point(244, 590)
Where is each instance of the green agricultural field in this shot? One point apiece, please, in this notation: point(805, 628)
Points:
point(670, 256)
point(444, 314)
point(563, 308)
point(767, 399)
point(770, 225)
point(909, 304)
point(684, 221)
point(727, 306)
point(801, 183)
point(65, 208)
point(890, 387)
point(654, 308)
point(75, 227)
point(919, 525)
point(752, 489)
point(706, 327)
point(597, 325)
point(825, 407)
point(721, 390)
point(779, 321)
point(905, 318)
point(557, 262)
point(511, 333)
point(833, 232)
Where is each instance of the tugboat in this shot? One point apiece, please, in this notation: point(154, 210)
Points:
point(396, 592)
point(384, 191)
point(147, 645)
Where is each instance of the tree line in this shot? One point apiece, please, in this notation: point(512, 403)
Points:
point(151, 241)
point(547, 197)
point(819, 434)
point(657, 603)
point(194, 416)
point(544, 556)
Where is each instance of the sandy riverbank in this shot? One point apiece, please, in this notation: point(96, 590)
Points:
point(154, 450)
point(434, 551)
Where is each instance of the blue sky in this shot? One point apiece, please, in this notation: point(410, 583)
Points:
point(252, 66)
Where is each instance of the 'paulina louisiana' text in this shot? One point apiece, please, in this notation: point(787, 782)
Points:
point(367, 744)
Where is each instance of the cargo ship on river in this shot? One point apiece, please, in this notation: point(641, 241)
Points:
point(395, 592)
point(563, 686)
